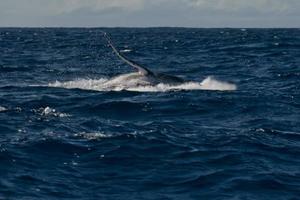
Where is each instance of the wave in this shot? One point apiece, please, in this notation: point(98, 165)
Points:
point(93, 136)
point(2, 109)
point(104, 84)
point(47, 111)
point(125, 50)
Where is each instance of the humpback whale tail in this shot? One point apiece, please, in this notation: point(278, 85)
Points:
point(143, 81)
point(141, 70)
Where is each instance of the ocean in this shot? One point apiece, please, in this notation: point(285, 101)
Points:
point(230, 131)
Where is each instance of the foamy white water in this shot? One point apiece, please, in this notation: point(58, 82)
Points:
point(47, 111)
point(125, 50)
point(93, 136)
point(2, 109)
point(103, 84)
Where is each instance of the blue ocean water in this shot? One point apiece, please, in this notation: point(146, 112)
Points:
point(231, 131)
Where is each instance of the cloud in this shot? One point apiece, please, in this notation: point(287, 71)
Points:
point(260, 6)
point(55, 7)
point(199, 13)
point(99, 5)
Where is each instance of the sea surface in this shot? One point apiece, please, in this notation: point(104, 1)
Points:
point(231, 131)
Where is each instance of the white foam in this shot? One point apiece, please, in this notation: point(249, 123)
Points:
point(125, 50)
point(47, 111)
point(88, 84)
point(118, 84)
point(2, 109)
point(93, 136)
point(101, 135)
point(212, 84)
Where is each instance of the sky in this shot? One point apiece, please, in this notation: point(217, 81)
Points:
point(150, 13)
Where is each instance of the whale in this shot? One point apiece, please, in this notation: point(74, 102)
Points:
point(142, 80)
point(142, 77)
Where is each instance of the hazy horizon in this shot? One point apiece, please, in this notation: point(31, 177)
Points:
point(155, 13)
point(145, 27)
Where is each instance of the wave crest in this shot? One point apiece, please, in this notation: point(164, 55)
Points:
point(2, 109)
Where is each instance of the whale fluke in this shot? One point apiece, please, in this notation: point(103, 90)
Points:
point(145, 74)
point(141, 70)
point(143, 81)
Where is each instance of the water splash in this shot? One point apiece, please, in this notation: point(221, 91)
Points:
point(47, 111)
point(2, 109)
point(212, 84)
point(104, 84)
point(93, 136)
point(125, 50)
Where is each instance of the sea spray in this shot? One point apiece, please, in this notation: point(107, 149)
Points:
point(208, 83)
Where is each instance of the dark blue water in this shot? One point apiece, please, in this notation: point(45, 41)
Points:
point(76, 141)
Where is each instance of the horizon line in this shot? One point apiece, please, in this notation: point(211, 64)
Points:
point(145, 27)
